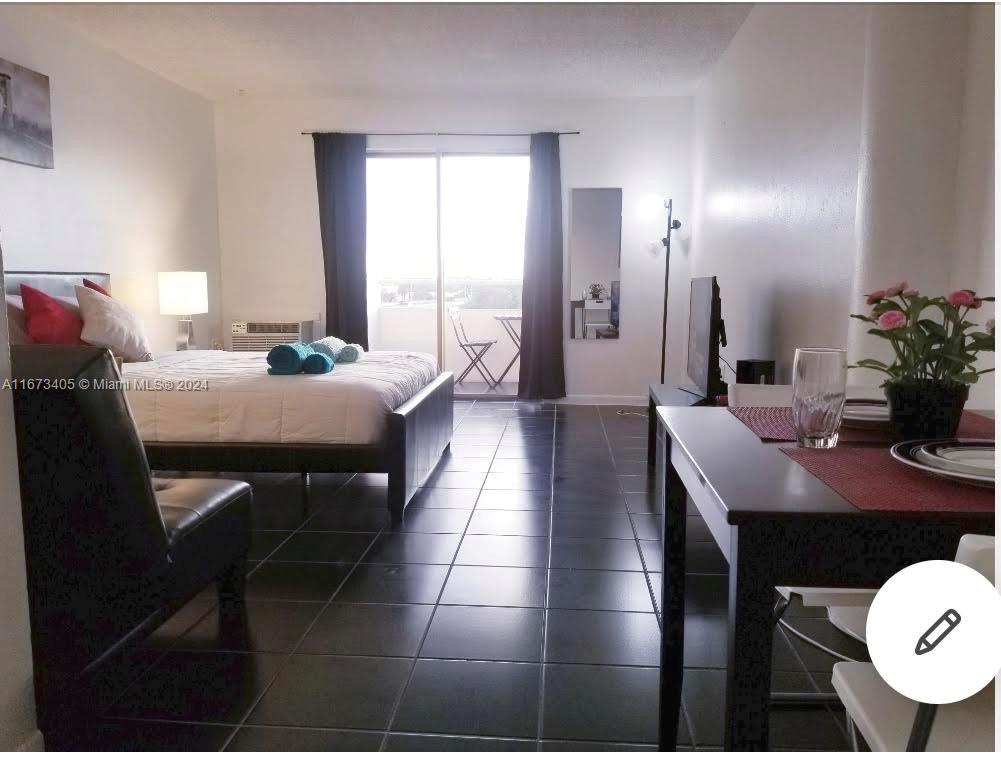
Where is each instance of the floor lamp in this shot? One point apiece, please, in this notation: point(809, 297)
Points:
point(672, 225)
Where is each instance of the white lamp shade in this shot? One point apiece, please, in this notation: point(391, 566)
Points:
point(183, 293)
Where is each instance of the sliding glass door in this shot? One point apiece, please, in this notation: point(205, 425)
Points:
point(402, 253)
point(483, 202)
point(446, 240)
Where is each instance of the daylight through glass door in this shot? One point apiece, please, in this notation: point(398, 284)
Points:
point(446, 241)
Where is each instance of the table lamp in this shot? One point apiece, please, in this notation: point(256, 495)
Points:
point(183, 294)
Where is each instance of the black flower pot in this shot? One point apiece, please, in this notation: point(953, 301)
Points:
point(926, 409)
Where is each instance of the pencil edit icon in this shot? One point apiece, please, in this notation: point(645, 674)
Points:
point(935, 634)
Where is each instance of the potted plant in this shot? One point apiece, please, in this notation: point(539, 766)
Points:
point(935, 349)
point(596, 290)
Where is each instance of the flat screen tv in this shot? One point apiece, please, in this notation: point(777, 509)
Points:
point(705, 335)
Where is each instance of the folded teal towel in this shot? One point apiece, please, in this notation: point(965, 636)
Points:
point(350, 353)
point(318, 363)
point(287, 358)
point(330, 346)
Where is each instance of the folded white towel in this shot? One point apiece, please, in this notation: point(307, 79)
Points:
point(350, 353)
point(329, 345)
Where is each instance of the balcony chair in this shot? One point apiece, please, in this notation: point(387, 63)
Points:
point(474, 349)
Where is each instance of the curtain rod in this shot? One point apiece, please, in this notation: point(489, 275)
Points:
point(437, 133)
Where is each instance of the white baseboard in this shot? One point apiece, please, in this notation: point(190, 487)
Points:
point(604, 399)
point(34, 743)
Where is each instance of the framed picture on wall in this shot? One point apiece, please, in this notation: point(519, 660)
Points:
point(25, 116)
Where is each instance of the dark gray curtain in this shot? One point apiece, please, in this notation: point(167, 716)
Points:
point(340, 186)
point(541, 370)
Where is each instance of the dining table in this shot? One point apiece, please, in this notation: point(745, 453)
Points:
point(507, 321)
point(785, 516)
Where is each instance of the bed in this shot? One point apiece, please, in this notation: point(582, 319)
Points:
point(218, 411)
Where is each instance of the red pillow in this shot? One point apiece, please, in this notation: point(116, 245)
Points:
point(47, 321)
point(96, 287)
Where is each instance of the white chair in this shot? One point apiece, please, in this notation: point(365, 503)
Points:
point(888, 721)
point(847, 610)
point(475, 350)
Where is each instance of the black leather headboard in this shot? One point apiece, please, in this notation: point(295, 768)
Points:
point(57, 283)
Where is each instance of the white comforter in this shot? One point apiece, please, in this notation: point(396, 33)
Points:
point(225, 396)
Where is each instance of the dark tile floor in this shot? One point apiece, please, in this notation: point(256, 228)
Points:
point(514, 610)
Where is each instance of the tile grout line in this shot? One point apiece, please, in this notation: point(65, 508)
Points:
point(540, 716)
point(632, 526)
point(649, 584)
point(508, 430)
point(329, 602)
point(295, 648)
point(398, 701)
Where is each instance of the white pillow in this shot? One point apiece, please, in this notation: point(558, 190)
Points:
point(111, 324)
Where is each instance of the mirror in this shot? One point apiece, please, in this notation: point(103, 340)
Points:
point(595, 259)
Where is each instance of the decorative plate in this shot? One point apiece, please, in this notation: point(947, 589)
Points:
point(866, 414)
point(970, 458)
point(967, 461)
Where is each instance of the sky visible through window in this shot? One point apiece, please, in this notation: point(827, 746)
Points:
point(402, 218)
point(484, 199)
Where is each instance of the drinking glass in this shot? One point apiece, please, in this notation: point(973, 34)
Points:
point(818, 395)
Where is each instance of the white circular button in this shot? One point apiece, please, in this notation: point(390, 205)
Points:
point(934, 632)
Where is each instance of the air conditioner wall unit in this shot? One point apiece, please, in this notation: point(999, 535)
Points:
point(263, 336)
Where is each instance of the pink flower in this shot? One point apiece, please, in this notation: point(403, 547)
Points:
point(911, 293)
point(896, 289)
point(892, 320)
point(874, 297)
point(962, 299)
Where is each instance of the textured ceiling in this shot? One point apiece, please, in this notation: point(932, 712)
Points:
point(376, 50)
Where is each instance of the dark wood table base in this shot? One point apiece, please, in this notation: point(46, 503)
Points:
point(829, 546)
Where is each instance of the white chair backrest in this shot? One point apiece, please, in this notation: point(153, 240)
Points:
point(457, 326)
point(758, 395)
point(977, 552)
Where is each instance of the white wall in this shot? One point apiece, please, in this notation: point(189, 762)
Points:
point(839, 149)
point(271, 254)
point(974, 244)
point(776, 166)
point(17, 696)
point(133, 190)
point(906, 212)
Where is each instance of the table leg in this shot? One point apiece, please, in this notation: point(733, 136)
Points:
point(517, 345)
point(515, 336)
point(672, 613)
point(749, 644)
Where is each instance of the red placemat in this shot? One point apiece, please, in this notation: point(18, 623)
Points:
point(873, 481)
point(774, 424)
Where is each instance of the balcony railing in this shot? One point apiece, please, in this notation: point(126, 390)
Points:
point(405, 320)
